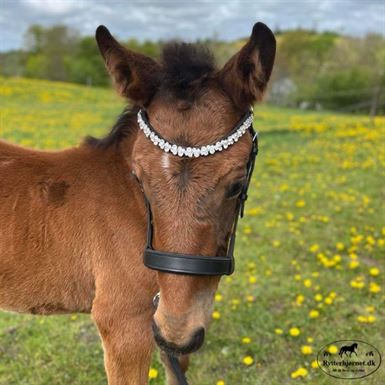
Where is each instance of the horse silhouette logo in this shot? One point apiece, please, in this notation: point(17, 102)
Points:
point(348, 350)
point(349, 359)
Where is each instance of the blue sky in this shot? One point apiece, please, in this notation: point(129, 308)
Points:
point(188, 20)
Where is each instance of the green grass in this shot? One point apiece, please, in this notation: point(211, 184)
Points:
point(318, 181)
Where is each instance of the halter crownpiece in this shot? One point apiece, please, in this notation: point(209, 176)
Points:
point(194, 152)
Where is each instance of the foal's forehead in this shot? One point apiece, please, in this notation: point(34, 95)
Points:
point(198, 123)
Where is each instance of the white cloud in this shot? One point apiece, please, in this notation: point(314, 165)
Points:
point(55, 7)
point(188, 19)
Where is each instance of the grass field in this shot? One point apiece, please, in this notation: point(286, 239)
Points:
point(310, 251)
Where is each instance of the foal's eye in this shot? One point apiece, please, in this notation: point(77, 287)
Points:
point(234, 189)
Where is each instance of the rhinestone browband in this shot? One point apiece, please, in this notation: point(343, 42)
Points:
point(195, 152)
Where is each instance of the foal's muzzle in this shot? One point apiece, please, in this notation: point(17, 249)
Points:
point(173, 349)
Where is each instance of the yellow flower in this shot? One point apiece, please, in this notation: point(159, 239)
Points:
point(216, 314)
point(247, 230)
point(299, 300)
point(74, 317)
point(318, 297)
point(357, 284)
point(153, 373)
point(328, 301)
point(306, 349)
point(294, 332)
point(250, 298)
point(300, 372)
point(307, 282)
point(314, 314)
point(276, 243)
point(374, 271)
point(310, 339)
point(246, 340)
point(371, 318)
point(374, 288)
point(340, 246)
point(248, 360)
point(252, 279)
point(218, 297)
point(314, 364)
point(333, 349)
point(289, 216)
point(370, 309)
point(297, 277)
point(300, 203)
point(278, 331)
point(314, 248)
point(220, 382)
point(353, 264)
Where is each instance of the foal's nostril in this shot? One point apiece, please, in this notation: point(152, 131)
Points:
point(198, 339)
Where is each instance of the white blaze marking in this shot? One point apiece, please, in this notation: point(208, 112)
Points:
point(165, 161)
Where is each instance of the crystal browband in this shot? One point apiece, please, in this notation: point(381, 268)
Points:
point(194, 152)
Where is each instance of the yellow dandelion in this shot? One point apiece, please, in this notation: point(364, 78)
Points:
point(247, 230)
point(314, 248)
point(353, 264)
point(340, 246)
point(318, 297)
point(220, 382)
point(307, 282)
point(300, 203)
point(153, 373)
point(299, 300)
point(374, 288)
point(332, 349)
point(294, 331)
point(246, 340)
point(278, 331)
point(371, 318)
point(248, 360)
point(313, 313)
point(216, 314)
point(252, 279)
point(218, 297)
point(374, 271)
point(300, 372)
point(306, 349)
point(314, 364)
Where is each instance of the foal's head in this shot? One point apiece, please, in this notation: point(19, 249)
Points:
point(190, 102)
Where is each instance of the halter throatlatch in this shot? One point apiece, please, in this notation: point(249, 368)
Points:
point(179, 263)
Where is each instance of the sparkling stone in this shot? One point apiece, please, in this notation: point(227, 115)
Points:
point(181, 151)
point(174, 149)
point(167, 147)
point(204, 151)
point(196, 152)
point(212, 149)
point(189, 152)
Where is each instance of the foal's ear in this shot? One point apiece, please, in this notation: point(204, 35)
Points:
point(245, 76)
point(136, 76)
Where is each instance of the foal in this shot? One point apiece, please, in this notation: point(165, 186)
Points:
point(73, 222)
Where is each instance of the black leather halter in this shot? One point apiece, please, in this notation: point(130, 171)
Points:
point(189, 264)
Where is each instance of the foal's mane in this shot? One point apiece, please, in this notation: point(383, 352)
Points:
point(185, 72)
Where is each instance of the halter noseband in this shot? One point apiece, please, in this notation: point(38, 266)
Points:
point(189, 264)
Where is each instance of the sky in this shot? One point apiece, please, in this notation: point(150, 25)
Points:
point(188, 20)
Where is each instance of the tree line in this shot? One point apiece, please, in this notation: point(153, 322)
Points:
point(313, 70)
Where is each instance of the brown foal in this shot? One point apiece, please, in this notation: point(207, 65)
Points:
point(73, 222)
